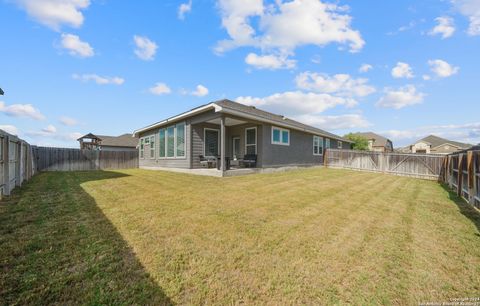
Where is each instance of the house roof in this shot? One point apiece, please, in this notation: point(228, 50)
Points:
point(125, 140)
point(436, 141)
point(241, 110)
point(379, 140)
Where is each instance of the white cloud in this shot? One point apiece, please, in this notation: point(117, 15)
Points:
point(21, 110)
point(50, 129)
point(183, 9)
point(160, 89)
point(466, 133)
point(340, 84)
point(442, 69)
point(55, 13)
point(402, 70)
point(145, 48)
point(68, 121)
point(349, 121)
point(284, 26)
point(98, 79)
point(426, 77)
point(365, 68)
point(73, 136)
point(297, 103)
point(445, 27)
point(75, 46)
point(471, 9)
point(401, 97)
point(271, 61)
point(200, 91)
point(9, 129)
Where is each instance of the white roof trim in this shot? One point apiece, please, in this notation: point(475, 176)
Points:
point(176, 118)
point(219, 109)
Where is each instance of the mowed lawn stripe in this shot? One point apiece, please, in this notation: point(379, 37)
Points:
point(312, 236)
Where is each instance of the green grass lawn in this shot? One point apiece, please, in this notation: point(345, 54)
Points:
point(315, 236)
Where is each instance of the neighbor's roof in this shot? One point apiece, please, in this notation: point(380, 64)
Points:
point(125, 140)
point(379, 140)
point(436, 141)
point(241, 110)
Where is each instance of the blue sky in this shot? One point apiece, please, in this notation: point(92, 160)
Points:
point(109, 67)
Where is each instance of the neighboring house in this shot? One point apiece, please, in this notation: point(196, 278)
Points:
point(230, 131)
point(435, 144)
point(123, 142)
point(377, 142)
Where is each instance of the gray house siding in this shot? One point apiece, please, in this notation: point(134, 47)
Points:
point(165, 162)
point(298, 153)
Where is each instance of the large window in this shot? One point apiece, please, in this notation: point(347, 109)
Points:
point(317, 145)
point(280, 136)
point(251, 140)
point(152, 146)
point(161, 144)
point(172, 141)
point(327, 143)
point(142, 147)
point(211, 142)
point(180, 140)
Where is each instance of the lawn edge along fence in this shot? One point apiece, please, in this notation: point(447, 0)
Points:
point(19, 160)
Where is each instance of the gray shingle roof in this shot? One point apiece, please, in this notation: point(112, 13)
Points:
point(251, 110)
point(436, 141)
point(125, 140)
point(379, 140)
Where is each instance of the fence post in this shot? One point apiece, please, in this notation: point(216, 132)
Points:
point(459, 175)
point(471, 178)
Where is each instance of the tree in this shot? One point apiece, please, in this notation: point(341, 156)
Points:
point(359, 142)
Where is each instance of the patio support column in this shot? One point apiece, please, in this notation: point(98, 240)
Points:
point(222, 144)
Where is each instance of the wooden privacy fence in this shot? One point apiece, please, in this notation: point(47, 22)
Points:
point(425, 166)
point(16, 162)
point(462, 174)
point(62, 159)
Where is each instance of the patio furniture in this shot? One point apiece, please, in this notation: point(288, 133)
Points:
point(249, 161)
point(227, 163)
point(208, 161)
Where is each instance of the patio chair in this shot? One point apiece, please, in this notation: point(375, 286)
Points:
point(208, 161)
point(249, 161)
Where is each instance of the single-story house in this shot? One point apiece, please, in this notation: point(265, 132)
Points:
point(377, 143)
point(435, 144)
point(123, 142)
point(227, 133)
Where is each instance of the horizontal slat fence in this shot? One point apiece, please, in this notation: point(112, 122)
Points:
point(462, 174)
point(64, 159)
point(425, 166)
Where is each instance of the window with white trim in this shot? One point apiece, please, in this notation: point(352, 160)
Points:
point(211, 142)
point(280, 136)
point(339, 144)
point(152, 146)
point(317, 145)
point(251, 140)
point(327, 143)
point(142, 147)
point(172, 141)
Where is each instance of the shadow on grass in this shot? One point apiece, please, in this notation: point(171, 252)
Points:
point(57, 247)
point(465, 208)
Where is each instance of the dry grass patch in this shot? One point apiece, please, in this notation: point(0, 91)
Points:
point(300, 237)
